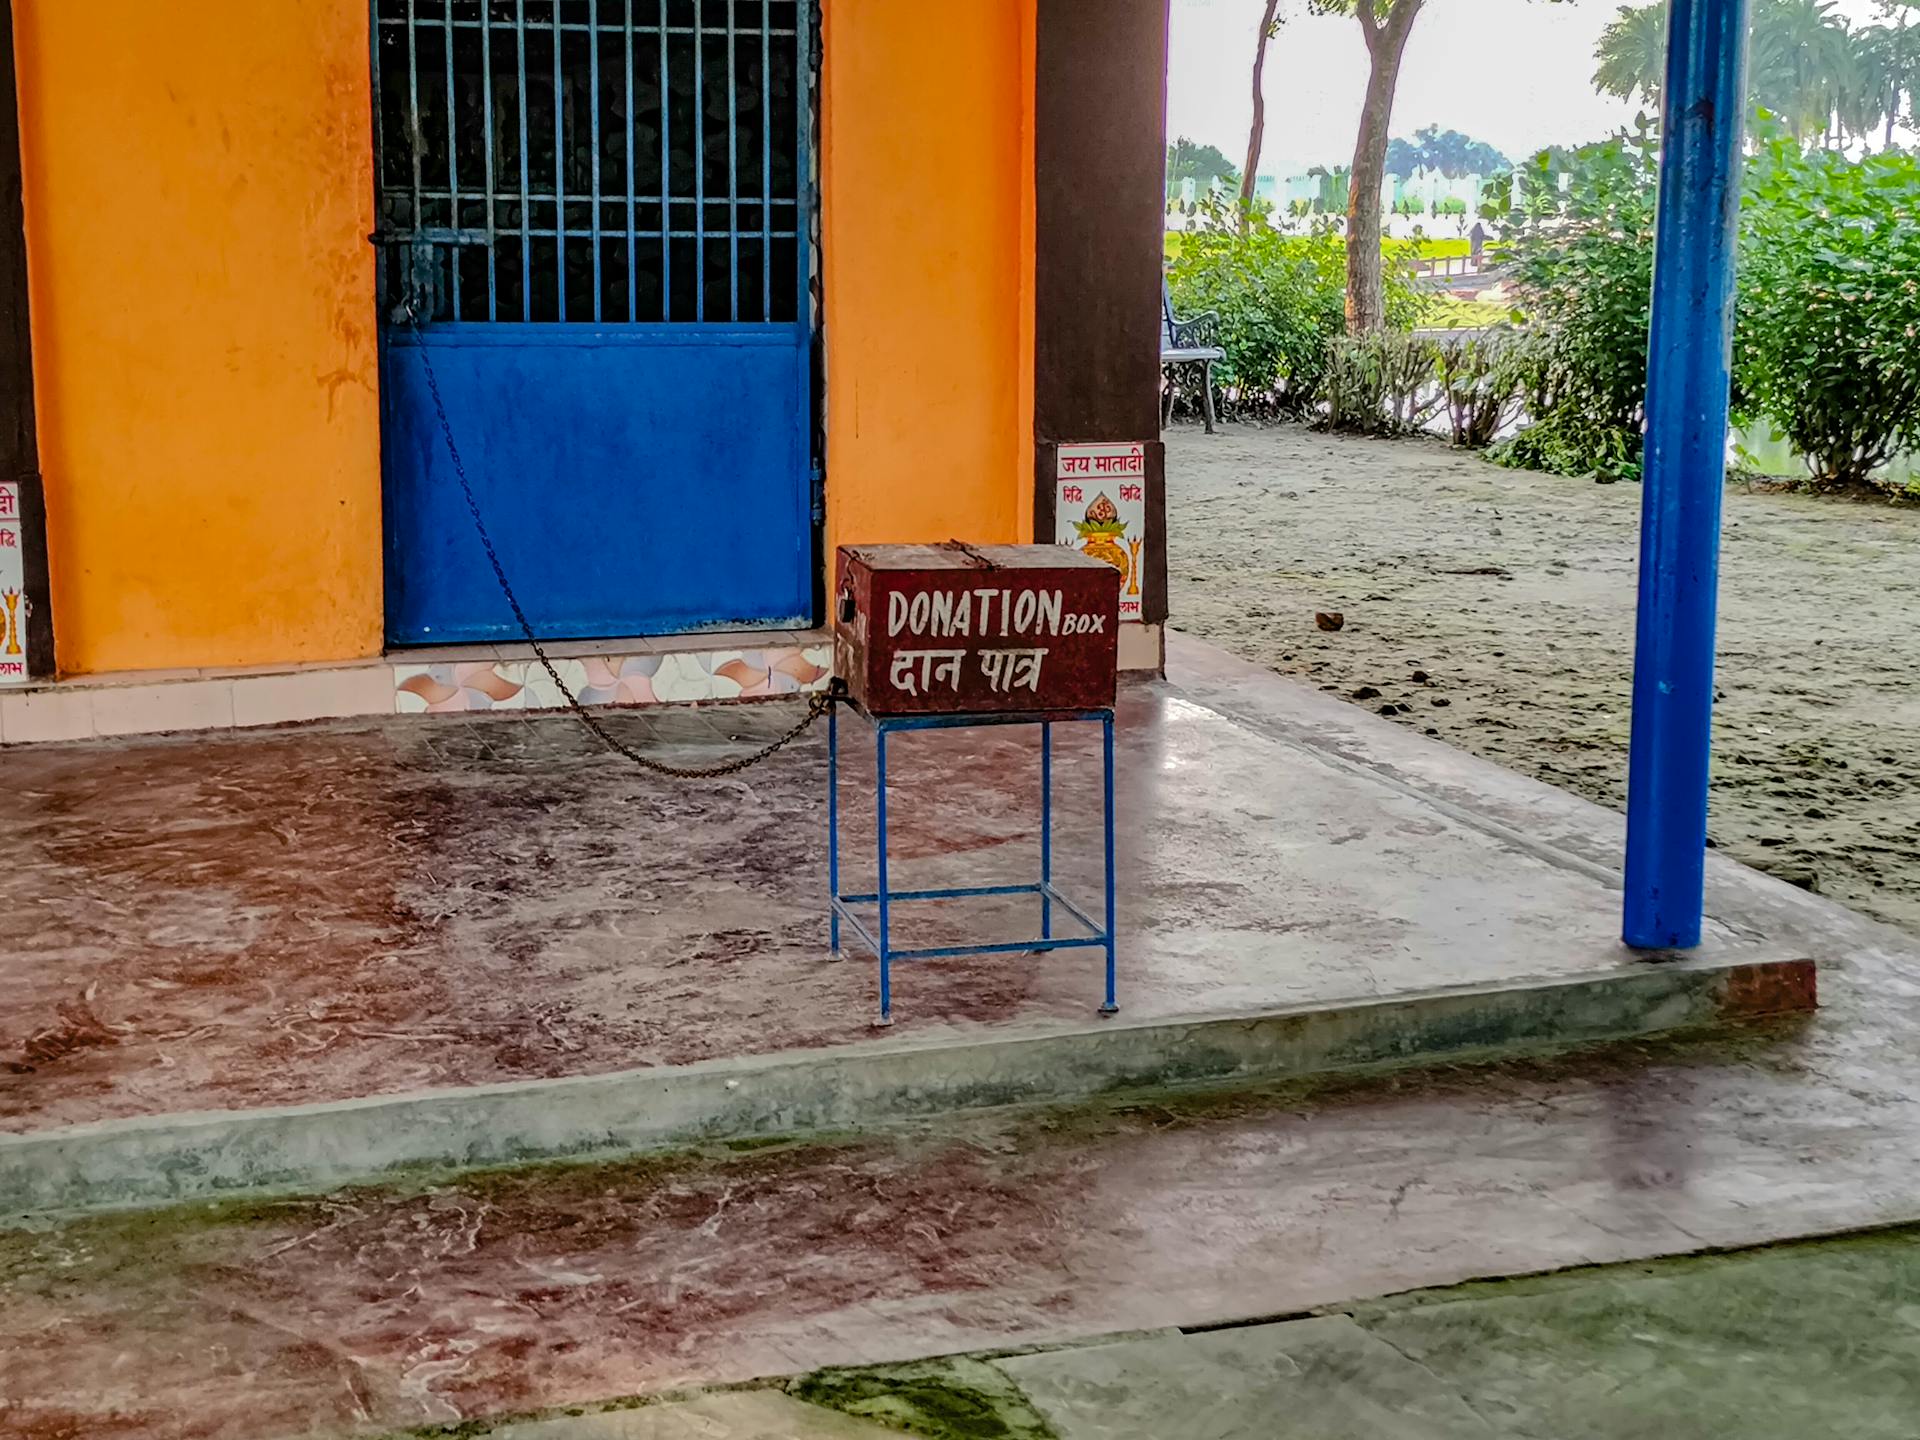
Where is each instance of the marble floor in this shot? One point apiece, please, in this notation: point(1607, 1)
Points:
point(221, 922)
point(441, 887)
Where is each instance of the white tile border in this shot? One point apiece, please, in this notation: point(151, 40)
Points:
point(408, 683)
point(33, 716)
point(311, 695)
point(418, 682)
point(1143, 647)
point(170, 705)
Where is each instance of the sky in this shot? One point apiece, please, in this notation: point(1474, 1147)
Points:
point(1516, 73)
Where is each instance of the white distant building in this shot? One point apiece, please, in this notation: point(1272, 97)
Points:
point(1433, 190)
point(1295, 190)
point(1186, 199)
point(1430, 192)
point(1421, 201)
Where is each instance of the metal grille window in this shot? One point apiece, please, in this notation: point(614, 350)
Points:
point(591, 161)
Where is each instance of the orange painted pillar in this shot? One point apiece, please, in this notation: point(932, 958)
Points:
point(198, 186)
point(927, 218)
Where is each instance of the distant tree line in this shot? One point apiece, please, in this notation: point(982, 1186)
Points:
point(1447, 151)
point(1205, 165)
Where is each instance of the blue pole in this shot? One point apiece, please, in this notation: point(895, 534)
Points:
point(885, 897)
point(1046, 829)
point(833, 811)
point(1687, 364)
point(1111, 1004)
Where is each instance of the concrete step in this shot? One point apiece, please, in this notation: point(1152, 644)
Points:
point(156, 1159)
point(445, 1300)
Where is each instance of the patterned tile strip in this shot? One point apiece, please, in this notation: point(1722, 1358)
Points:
point(613, 680)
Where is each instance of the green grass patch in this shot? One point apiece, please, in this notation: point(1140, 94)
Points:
point(935, 1399)
point(1453, 312)
point(1430, 248)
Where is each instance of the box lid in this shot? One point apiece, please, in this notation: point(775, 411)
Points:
point(955, 556)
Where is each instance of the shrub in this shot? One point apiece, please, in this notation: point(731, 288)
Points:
point(1584, 267)
point(1281, 299)
point(1354, 389)
point(1480, 380)
point(1827, 339)
point(1565, 439)
point(1829, 307)
point(1381, 384)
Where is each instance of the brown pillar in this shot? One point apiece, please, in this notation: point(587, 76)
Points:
point(19, 439)
point(1100, 145)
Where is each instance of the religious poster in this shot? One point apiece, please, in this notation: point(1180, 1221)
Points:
point(1100, 509)
point(13, 589)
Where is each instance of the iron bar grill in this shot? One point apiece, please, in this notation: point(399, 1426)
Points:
point(591, 161)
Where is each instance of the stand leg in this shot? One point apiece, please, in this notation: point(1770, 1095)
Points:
point(1046, 829)
point(1206, 394)
point(886, 905)
point(1111, 1004)
point(833, 823)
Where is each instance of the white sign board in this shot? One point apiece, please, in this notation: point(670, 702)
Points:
point(13, 588)
point(1100, 508)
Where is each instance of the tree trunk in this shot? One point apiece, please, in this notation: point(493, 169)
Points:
point(1257, 134)
point(1386, 44)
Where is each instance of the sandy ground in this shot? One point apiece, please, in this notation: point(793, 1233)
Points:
point(1494, 608)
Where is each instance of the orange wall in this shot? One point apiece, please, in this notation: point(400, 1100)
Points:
point(198, 196)
point(927, 176)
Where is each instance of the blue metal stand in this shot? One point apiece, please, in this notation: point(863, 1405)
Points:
point(1098, 936)
point(1686, 462)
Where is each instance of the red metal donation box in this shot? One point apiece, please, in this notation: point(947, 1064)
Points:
point(972, 629)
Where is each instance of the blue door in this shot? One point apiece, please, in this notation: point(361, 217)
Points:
point(594, 242)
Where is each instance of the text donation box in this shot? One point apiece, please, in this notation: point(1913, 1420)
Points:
point(937, 637)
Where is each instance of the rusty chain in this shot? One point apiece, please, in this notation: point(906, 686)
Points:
point(817, 704)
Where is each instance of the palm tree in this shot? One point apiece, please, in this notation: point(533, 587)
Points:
point(1807, 66)
point(1633, 54)
point(1802, 64)
point(1886, 74)
point(1872, 96)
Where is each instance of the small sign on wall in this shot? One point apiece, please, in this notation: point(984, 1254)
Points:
point(1100, 509)
point(13, 589)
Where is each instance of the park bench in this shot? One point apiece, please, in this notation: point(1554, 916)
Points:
point(1192, 345)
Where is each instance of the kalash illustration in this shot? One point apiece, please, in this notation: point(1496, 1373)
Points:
point(1103, 535)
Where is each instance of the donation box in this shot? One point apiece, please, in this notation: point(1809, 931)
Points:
point(976, 629)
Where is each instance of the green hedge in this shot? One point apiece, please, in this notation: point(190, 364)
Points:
point(1827, 334)
point(1281, 299)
